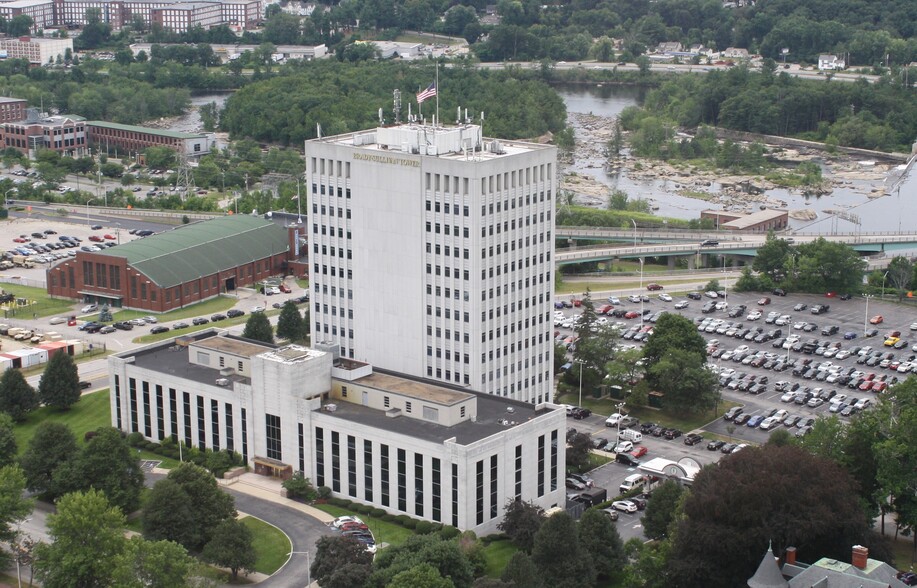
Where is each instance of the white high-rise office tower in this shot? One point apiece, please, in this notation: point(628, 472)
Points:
point(432, 254)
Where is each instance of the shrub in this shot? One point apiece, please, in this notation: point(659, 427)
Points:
point(409, 523)
point(135, 439)
point(378, 513)
point(324, 492)
point(88, 436)
point(449, 532)
point(300, 487)
point(424, 527)
point(390, 518)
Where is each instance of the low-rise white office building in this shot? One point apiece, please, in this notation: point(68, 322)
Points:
point(406, 445)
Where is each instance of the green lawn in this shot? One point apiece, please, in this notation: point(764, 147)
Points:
point(90, 413)
point(194, 328)
point(905, 555)
point(207, 307)
point(384, 532)
point(43, 304)
point(272, 546)
point(498, 554)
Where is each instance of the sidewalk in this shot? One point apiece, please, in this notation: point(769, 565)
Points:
point(270, 489)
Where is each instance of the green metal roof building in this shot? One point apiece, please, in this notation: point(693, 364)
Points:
point(178, 267)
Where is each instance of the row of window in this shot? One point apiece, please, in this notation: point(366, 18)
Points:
point(175, 415)
point(330, 167)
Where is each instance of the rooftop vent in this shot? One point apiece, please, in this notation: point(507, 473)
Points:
point(330, 407)
point(222, 382)
point(510, 409)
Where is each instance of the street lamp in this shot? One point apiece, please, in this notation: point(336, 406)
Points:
point(6, 197)
point(298, 202)
point(580, 362)
point(99, 189)
point(866, 314)
point(87, 209)
point(640, 259)
point(884, 276)
point(619, 408)
point(635, 231)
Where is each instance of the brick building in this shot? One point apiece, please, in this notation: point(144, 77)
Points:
point(12, 109)
point(64, 133)
point(127, 138)
point(179, 267)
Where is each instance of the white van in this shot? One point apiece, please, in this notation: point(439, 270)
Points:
point(630, 435)
point(632, 481)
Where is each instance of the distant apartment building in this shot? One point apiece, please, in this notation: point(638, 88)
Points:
point(64, 133)
point(230, 51)
point(177, 15)
point(12, 109)
point(38, 50)
point(130, 138)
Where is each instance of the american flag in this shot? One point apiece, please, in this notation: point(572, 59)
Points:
point(428, 93)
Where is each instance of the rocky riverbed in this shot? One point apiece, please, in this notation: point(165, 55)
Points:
point(739, 193)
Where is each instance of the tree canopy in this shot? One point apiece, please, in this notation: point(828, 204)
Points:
point(560, 558)
point(17, 397)
point(258, 327)
point(52, 445)
point(783, 495)
point(340, 562)
point(60, 383)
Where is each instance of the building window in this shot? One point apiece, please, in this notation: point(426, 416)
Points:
point(201, 429)
point(418, 484)
point(230, 441)
point(335, 461)
point(319, 457)
point(493, 486)
point(518, 488)
point(554, 460)
point(540, 475)
point(215, 423)
point(186, 406)
point(244, 437)
point(437, 490)
point(455, 503)
point(368, 471)
point(479, 492)
point(351, 465)
point(402, 481)
point(384, 473)
point(160, 414)
point(132, 393)
point(272, 433)
point(302, 450)
point(118, 399)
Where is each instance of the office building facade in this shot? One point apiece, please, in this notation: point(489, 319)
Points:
point(406, 445)
point(432, 255)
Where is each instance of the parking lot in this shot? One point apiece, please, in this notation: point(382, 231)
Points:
point(848, 316)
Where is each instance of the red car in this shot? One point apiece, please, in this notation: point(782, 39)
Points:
point(95, 238)
point(632, 314)
point(639, 451)
point(285, 289)
point(577, 302)
point(654, 286)
point(20, 240)
point(109, 237)
point(764, 301)
point(604, 309)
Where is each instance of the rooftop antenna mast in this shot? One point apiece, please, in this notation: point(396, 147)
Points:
point(397, 103)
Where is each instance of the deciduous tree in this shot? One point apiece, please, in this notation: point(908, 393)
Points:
point(189, 513)
point(521, 571)
point(779, 494)
point(59, 386)
point(231, 547)
point(8, 447)
point(290, 323)
point(14, 506)
point(88, 536)
point(106, 463)
point(660, 510)
point(521, 522)
point(52, 445)
point(341, 562)
point(558, 555)
point(686, 383)
point(600, 540)
point(152, 564)
point(17, 397)
point(673, 331)
point(421, 576)
point(445, 556)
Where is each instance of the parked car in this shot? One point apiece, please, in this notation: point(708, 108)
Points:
point(624, 506)
point(159, 329)
point(693, 439)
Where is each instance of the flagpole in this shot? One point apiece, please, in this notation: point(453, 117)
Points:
point(437, 90)
point(419, 107)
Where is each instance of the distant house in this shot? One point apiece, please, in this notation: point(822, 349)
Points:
point(830, 63)
point(669, 47)
point(862, 572)
point(698, 49)
point(734, 53)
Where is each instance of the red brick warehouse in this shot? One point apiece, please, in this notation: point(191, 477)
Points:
point(178, 267)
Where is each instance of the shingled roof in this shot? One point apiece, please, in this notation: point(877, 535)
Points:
point(201, 249)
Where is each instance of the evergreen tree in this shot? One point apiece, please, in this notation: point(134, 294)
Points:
point(290, 323)
point(258, 327)
point(17, 398)
point(521, 571)
point(660, 510)
point(59, 386)
point(600, 540)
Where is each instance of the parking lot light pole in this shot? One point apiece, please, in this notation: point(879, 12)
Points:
point(87, 209)
point(866, 314)
point(580, 362)
point(619, 408)
point(641, 289)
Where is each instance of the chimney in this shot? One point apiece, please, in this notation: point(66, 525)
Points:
point(790, 558)
point(860, 556)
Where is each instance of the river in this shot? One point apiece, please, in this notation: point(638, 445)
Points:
point(890, 213)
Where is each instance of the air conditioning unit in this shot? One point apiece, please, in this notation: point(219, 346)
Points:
point(222, 382)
